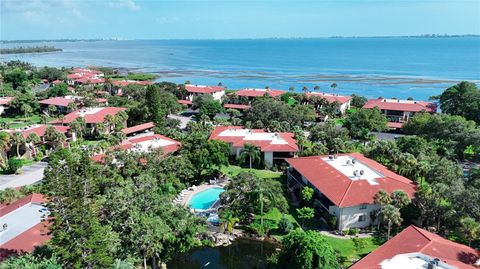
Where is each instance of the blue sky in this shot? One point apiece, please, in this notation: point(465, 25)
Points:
point(162, 19)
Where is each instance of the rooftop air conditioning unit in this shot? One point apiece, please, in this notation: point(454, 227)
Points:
point(330, 157)
point(362, 172)
point(354, 161)
point(348, 162)
point(355, 172)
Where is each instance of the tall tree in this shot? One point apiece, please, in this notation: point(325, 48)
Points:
point(251, 152)
point(391, 215)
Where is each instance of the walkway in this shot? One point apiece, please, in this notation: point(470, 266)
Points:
point(360, 235)
point(30, 175)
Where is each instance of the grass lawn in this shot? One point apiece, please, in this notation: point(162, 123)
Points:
point(20, 121)
point(233, 170)
point(347, 249)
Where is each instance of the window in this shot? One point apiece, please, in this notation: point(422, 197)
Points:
point(361, 218)
point(363, 206)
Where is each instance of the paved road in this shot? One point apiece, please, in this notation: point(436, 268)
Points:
point(184, 120)
point(31, 174)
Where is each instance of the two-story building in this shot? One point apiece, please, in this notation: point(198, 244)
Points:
point(275, 147)
point(196, 90)
point(345, 185)
point(144, 143)
point(400, 111)
point(85, 76)
point(251, 93)
point(92, 116)
point(343, 102)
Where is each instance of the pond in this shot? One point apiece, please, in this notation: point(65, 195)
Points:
point(241, 254)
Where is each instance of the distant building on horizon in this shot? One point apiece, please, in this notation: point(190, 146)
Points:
point(400, 111)
point(345, 185)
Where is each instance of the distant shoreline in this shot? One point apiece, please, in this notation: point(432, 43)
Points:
point(22, 50)
point(264, 38)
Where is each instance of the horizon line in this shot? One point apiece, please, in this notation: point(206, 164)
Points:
point(244, 38)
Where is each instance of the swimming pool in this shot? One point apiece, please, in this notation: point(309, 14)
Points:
point(205, 199)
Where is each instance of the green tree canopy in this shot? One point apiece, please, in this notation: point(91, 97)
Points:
point(306, 250)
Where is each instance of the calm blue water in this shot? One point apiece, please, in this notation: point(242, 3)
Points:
point(389, 67)
point(205, 199)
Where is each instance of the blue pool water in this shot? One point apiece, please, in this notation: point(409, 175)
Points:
point(205, 199)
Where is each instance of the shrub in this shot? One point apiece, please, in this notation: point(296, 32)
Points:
point(332, 222)
point(346, 232)
point(354, 231)
point(285, 225)
point(14, 164)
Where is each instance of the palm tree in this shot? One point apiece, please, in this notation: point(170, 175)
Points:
point(469, 229)
point(333, 86)
point(32, 139)
point(52, 109)
point(305, 89)
point(4, 145)
point(382, 198)
point(228, 223)
point(316, 88)
point(110, 122)
point(18, 140)
point(263, 191)
point(392, 216)
point(72, 106)
point(253, 153)
point(9, 195)
point(291, 89)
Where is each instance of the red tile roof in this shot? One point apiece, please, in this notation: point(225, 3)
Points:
point(57, 101)
point(413, 239)
point(5, 100)
point(57, 81)
point(74, 76)
point(130, 144)
point(90, 80)
point(96, 117)
point(185, 102)
point(237, 106)
point(40, 130)
point(203, 89)
point(264, 145)
point(123, 83)
point(259, 92)
point(401, 105)
point(343, 191)
point(396, 125)
point(36, 198)
point(138, 128)
point(26, 241)
point(331, 98)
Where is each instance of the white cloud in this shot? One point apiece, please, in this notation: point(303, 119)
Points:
point(130, 4)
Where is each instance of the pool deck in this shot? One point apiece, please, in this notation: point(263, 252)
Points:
point(190, 193)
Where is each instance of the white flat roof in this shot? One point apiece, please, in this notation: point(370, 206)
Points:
point(88, 111)
point(353, 168)
point(412, 261)
point(146, 146)
point(20, 220)
point(249, 135)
